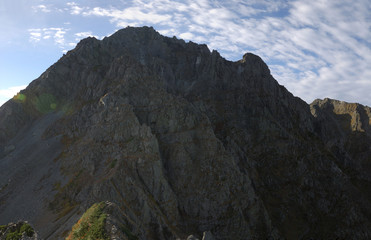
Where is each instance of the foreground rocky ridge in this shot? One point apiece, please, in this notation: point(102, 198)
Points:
point(20, 231)
point(183, 142)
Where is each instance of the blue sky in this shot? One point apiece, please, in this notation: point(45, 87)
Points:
point(316, 49)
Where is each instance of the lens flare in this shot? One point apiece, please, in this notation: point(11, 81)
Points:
point(20, 97)
point(45, 103)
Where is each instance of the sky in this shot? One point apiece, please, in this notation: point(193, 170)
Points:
point(316, 49)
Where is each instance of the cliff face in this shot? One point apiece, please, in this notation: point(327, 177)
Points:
point(183, 142)
point(346, 131)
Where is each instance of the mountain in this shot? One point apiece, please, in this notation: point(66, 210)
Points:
point(178, 141)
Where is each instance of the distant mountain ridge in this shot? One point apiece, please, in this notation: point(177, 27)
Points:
point(182, 142)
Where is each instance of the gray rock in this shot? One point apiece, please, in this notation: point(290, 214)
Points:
point(191, 237)
point(208, 236)
point(9, 149)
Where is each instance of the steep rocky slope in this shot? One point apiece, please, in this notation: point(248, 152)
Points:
point(183, 142)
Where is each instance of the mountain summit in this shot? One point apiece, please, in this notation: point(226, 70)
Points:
point(163, 139)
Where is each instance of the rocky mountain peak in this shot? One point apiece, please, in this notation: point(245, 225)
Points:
point(255, 63)
point(355, 117)
point(139, 120)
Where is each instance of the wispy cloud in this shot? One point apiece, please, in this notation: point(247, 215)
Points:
point(222, 23)
point(35, 35)
point(74, 8)
point(129, 16)
point(57, 34)
point(338, 36)
point(41, 8)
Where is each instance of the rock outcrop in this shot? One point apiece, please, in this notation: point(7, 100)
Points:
point(182, 142)
point(345, 129)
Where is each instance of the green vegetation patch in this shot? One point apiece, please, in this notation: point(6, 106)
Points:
point(45, 103)
point(27, 229)
point(91, 225)
point(16, 232)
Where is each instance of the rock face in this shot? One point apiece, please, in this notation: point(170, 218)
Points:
point(345, 129)
point(184, 143)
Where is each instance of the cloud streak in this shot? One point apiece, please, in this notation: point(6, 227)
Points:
point(57, 34)
point(41, 8)
point(74, 8)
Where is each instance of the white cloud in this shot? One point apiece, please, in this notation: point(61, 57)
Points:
point(83, 34)
point(41, 8)
point(8, 93)
point(35, 35)
point(74, 8)
point(186, 35)
point(131, 15)
point(57, 34)
point(336, 34)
